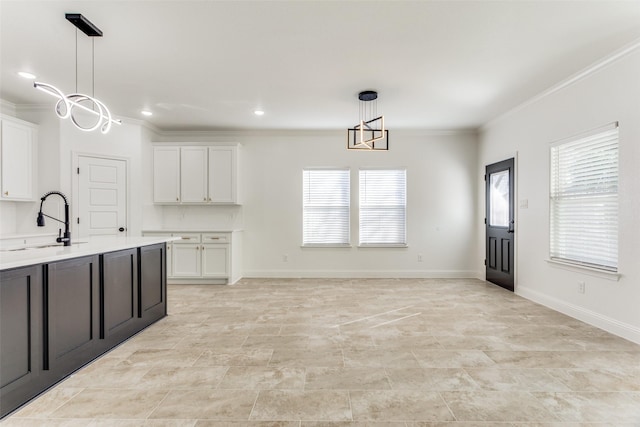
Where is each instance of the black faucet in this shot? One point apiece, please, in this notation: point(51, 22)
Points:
point(66, 238)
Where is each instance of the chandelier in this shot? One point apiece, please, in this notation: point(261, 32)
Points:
point(66, 104)
point(369, 133)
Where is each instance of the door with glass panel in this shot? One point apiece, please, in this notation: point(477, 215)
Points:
point(500, 227)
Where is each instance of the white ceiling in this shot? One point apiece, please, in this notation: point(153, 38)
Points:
point(206, 65)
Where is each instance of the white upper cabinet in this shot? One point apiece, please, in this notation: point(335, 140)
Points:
point(166, 174)
point(18, 149)
point(223, 175)
point(195, 174)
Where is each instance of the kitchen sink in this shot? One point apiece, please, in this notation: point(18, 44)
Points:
point(42, 246)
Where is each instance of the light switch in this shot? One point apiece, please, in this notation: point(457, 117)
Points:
point(524, 203)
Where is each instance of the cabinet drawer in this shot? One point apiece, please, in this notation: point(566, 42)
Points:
point(187, 238)
point(215, 238)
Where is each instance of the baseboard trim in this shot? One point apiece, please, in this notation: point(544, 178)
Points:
point(593, 318)
point(362, 274)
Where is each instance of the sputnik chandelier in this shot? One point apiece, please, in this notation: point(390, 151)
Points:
point(66, 103)
point(370, 133)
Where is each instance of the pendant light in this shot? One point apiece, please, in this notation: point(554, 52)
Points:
point(66, 103)
point(369, 133)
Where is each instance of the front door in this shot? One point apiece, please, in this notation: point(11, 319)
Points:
point(499, 222)
point(102, 196)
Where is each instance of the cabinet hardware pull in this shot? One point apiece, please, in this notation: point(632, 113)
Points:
point(214, 238)
point(6, 193)
point(177, 199)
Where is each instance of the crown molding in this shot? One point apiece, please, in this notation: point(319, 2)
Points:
point(7, 107)
point(574, 78)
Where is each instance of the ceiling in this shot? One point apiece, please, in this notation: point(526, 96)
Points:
point(207, 65)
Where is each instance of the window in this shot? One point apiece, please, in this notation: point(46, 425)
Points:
point(584, 200)
point(325, 207)
point(383, 205)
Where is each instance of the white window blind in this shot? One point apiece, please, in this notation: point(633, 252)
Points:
point(383, 205)
point(326, 194)
point(584, 200)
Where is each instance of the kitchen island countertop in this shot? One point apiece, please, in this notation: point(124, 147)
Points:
point(22, 256)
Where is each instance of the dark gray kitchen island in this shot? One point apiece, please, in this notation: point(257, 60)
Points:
point(63, 306)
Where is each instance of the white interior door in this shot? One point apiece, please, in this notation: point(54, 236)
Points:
point(102, 196)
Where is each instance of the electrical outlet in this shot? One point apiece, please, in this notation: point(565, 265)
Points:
point(581, 286)
point(419, 257)
point(285, 258)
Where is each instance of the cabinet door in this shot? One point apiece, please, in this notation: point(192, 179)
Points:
point(153, 283)
point(20, 335)
point(223, 174)
point(119, 305)
point(186, 260)
point(215, 260)
point(166, 174)
point(72, 307)
point(193, 174)
point(17, 161)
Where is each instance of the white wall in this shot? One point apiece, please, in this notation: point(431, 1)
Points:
point(440, 209)
point(58, 142)
point(122, 142)
point(607, 94)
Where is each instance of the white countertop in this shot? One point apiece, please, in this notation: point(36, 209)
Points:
point(194, 230)
point(12, 258)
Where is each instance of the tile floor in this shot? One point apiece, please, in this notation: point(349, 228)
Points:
point(352, 352)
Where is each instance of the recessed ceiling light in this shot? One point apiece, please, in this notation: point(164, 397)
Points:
point(258, 113)
point(26, 75)
point(146, 113)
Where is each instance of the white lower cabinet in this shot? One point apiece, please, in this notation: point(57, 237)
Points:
point(185, 261)
point(204, 257)
point(215, 261)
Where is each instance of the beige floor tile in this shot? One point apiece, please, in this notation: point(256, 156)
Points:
point(379, 358)
point(307, 357)
point(452, 358)
point(165, 358)
point(432, 379)
point(517, 379)
point(498, 406)
point(399, 405)
point(107, 377)
point(110, 403)
point(608, 407)
point(234, 357)
point(350, 424)
point(143, 423)
point(346, 379)
point(45, 404)
point(261, 378)
point(291, 405)
point(352, 352)
point(182, 378)
point(210, 423)
point(610, 379)
point(202, 341)
point(206, 404)
point(50, 422)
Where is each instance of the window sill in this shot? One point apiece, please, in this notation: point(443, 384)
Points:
point(609, 275)
point(328, 245)
point(382, 245)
